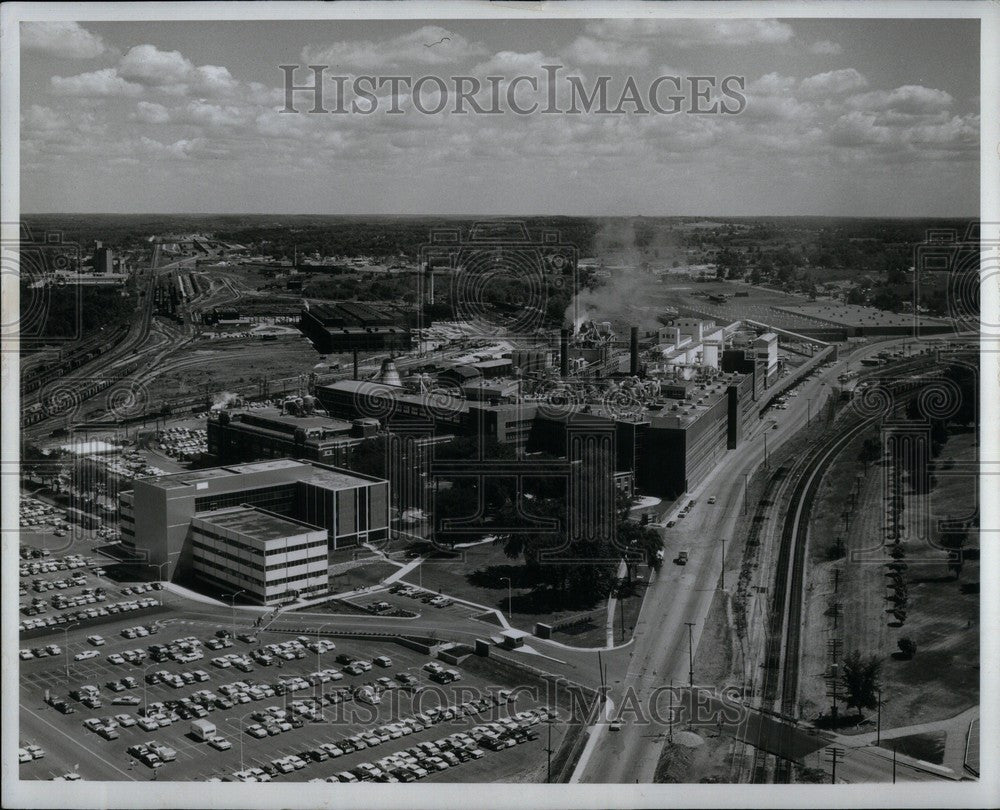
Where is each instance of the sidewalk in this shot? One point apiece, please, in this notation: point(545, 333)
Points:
point(956, 736)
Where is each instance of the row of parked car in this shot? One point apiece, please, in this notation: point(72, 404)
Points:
point(40, 652)
point(45, 565)
point(152, 754)
point(143, 587)
point(90, 596)
point(139, 631)
point(34, 512)
point(86, 613)
point(418, 761)
point(77, 580)
point(29, 752)
point(431, 598)
point(177, 679)
point(134, 657)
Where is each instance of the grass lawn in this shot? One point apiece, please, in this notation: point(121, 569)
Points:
point(362, 575)
point(928, 746)
point(477, 574)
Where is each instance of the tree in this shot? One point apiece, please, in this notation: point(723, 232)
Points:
point(907, 647)
point(871, 451)
point(862, 681)
point(954, 540)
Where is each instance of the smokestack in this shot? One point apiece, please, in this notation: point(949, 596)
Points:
point(355, 364)
point(564, 353)
point(634, 351)
point(430, 284)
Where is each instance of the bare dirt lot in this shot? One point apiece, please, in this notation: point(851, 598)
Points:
point(942, 679)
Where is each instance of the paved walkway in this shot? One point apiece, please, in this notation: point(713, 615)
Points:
point(194, 596)
point(956, 734)
point(609, 627)
point(402, 572)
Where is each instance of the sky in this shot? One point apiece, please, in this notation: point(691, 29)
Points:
point(841, 118)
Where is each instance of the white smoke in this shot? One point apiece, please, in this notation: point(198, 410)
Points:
point(222, 400)
point(625, 293)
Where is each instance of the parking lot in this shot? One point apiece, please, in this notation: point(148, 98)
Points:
point(274, 711)
point(405, 599)
point(112, 681)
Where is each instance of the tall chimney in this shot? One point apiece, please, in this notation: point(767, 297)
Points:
point(355, 364)
point(564, 353)
point(634, 351)
point(430, 284)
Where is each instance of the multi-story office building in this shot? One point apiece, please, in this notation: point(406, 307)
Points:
point(158, 516)
point(267, 556)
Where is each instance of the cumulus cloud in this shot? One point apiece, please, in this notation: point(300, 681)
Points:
point(825, 47)
point(589, 51)
point(910, 98)
point(427, 45)
point(42, 119)
point(151, 113)
point(148, 65)
point(694, 33)
point(214, 116)
point(182, 149)
point(65, 39)
point(771, 84)
point(835, 82)
point(104, 82)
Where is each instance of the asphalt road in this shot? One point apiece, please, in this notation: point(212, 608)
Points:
point(660, 653)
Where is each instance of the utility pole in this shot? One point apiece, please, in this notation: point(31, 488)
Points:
point(671, 715)
point(690, 626)
point(894, 763)
point(878, 726)
point(836, 755)
point(548, 751)
point(600, 671)
point(723, 563)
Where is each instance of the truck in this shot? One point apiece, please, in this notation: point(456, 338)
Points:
point(202, 730)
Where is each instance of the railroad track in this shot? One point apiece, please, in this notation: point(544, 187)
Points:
point(784, 635)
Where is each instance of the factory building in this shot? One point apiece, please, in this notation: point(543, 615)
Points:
point(104, 260)
point(180, 523)
point(765, 349)
point(348, 327)
point(256, 435)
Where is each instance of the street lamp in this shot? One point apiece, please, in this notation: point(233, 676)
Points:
point(229, 720)
point(66, 630)
point(232, 605)
point(322, 707)
point(509, 597)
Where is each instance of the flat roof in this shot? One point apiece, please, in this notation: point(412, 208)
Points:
point(262, 466)
point(276, 415)
point(256, 523)
point(336, 480)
